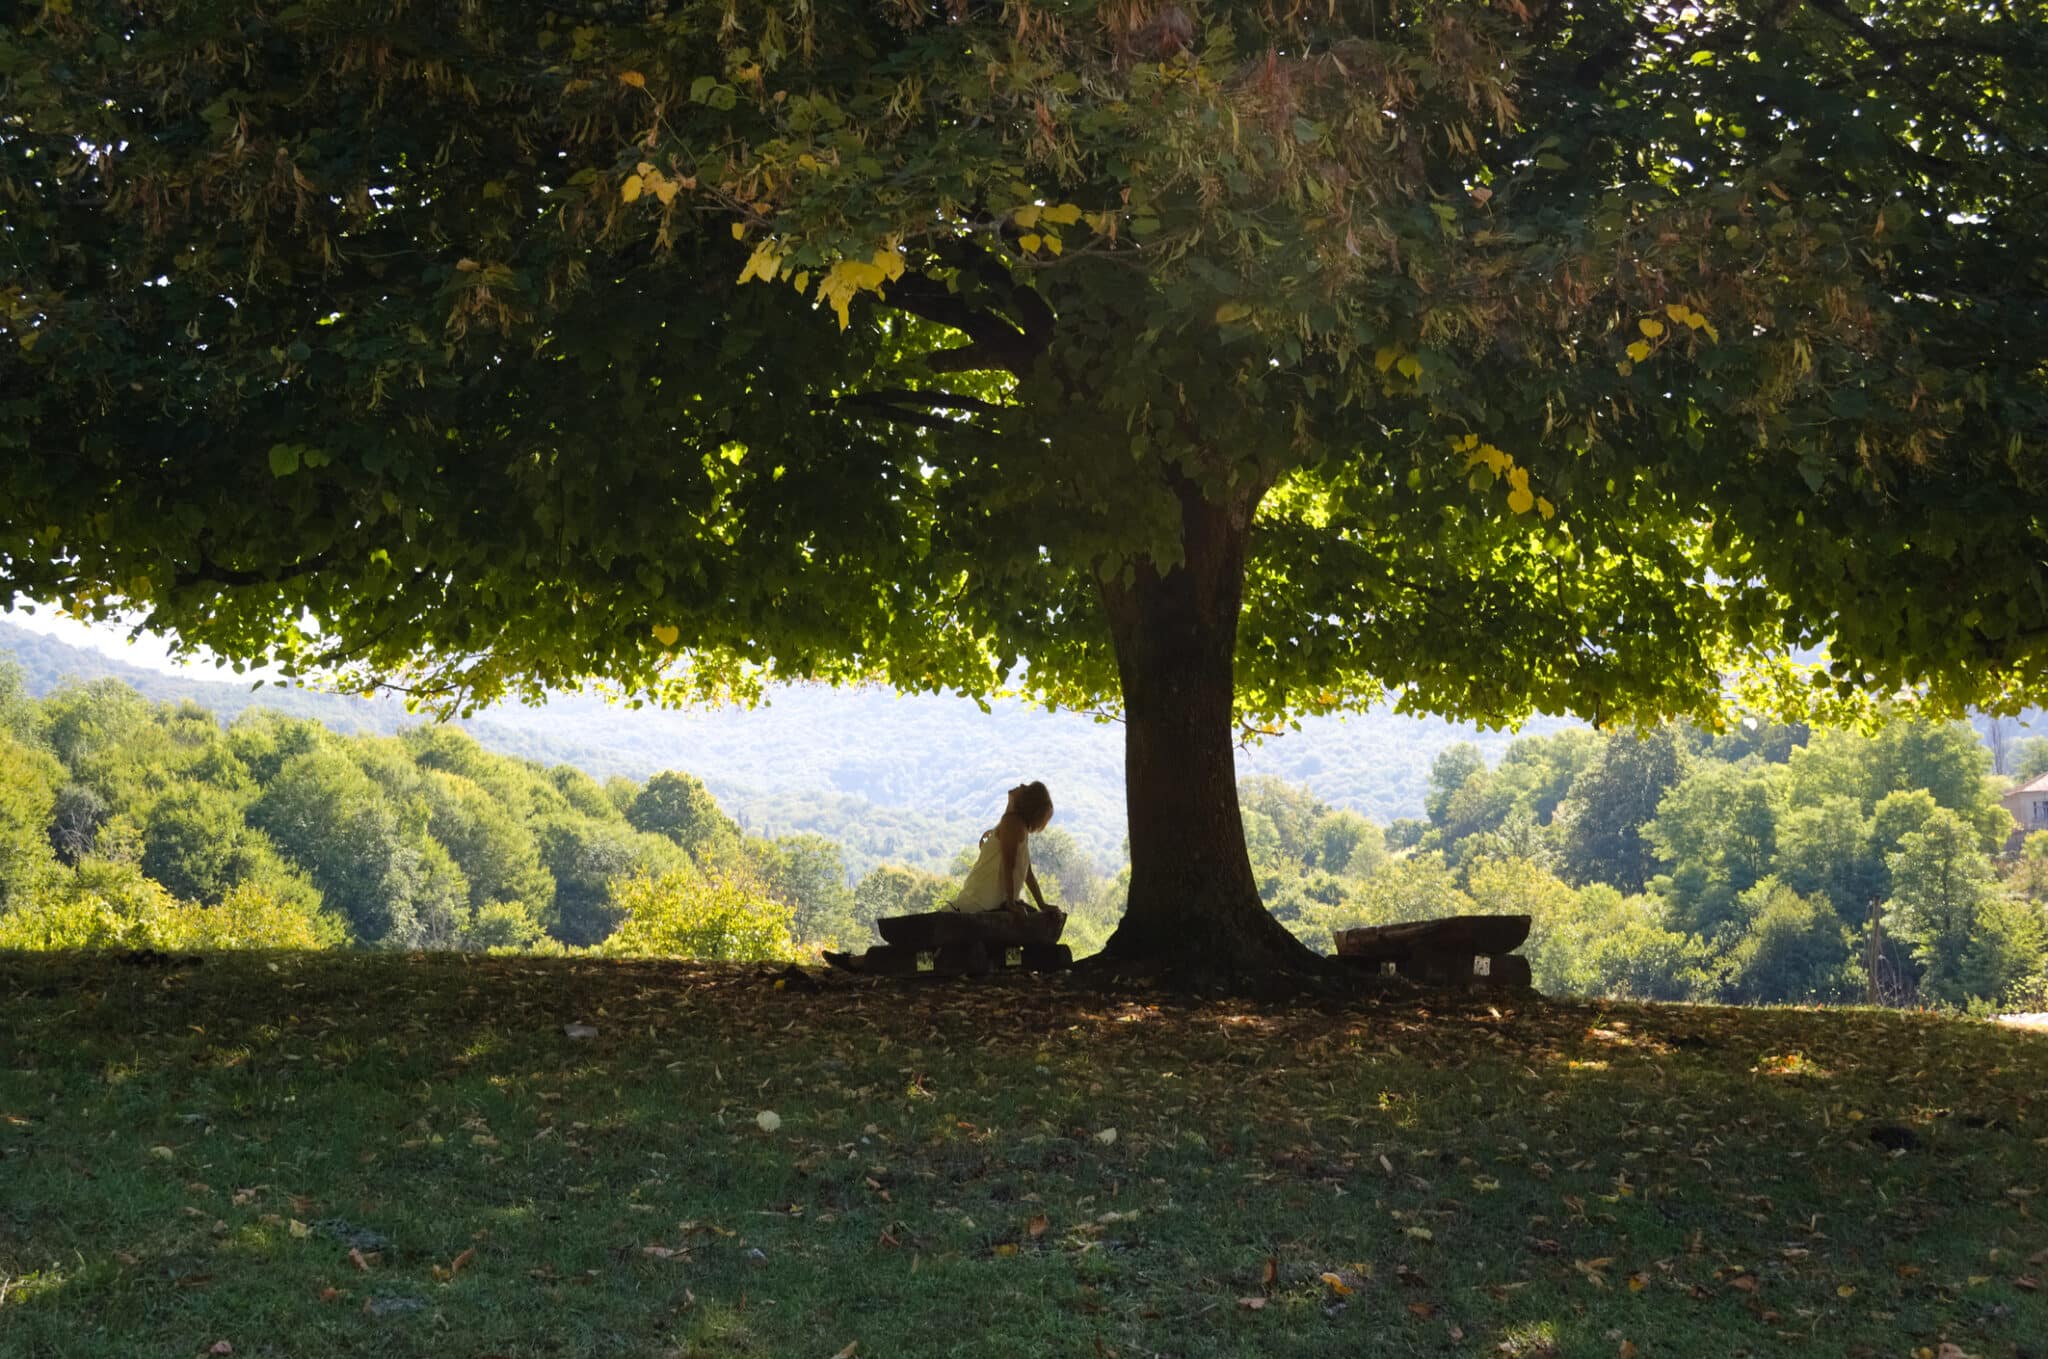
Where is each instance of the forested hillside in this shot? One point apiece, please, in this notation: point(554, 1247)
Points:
point(1772, 864)
point(893, 779)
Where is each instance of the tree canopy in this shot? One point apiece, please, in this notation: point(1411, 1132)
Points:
point(1211, 361)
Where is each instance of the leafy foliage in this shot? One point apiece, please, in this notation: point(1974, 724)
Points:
point(715, 916)
point(1506, 357)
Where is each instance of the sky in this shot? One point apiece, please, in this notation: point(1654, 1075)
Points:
point(147, 651)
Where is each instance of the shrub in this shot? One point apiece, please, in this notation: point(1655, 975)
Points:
point(718, 916)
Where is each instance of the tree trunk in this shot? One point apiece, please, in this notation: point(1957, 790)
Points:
point(1194, 904)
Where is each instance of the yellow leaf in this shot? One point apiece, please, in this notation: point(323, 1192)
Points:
point(1520, 501)
point(739, 231)
point(839, 301)
point(1098, 222)
point(762, 264)
point(1519, 478)
point(1409, 367)
point(630, 190)
point(1006, 1249)
point(1712, 333)
point(1624, 368)
point(1650, 327)
point(1029, 243)
point(807, 161)
point(633, 78)
point(890, 262)
point(666, 190)
point(1679, 312)
point(1066, 214)
point(868, 276)
point(803, 279)
point(1846, 1291)
point(1052, 244)
point(1545, 508)
point(668, 634)
point(1232, 311)
point(1337, 1284)
point(1027, 218)
point(1639, 350)
point(1385, 358)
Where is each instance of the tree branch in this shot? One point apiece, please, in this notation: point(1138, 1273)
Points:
point(994, 341)
point(210, 572)
point(913, 399)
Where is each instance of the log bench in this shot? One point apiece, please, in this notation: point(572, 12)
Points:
point(960, 944)
point(1447, 952)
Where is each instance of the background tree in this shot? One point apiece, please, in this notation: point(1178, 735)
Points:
point(497, 854)
point(726, 918)
point(807, 874)
point(893, 890)
point(28, 797)
point(1791, 947)
point(1221, 361)
point(585, 855)
point(680, 807)
point(1602, 817)
point(1941, 885)
point(1715, 833)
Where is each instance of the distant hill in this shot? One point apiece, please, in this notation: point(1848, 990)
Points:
point(894, 779)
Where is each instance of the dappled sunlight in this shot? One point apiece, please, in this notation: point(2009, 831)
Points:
point(1077, 1166)
point(31, 1288)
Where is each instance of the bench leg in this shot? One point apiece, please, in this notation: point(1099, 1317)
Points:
point(1047, 958)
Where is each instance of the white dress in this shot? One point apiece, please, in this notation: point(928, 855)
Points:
point(985, 889)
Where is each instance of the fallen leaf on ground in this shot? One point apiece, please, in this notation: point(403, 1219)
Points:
point(1252, 1304)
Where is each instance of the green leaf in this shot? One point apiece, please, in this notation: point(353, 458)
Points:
point(284, 459)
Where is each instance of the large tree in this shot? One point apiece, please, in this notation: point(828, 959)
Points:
point(1209, 361)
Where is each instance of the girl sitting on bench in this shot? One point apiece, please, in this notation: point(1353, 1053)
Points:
point(1001, 874)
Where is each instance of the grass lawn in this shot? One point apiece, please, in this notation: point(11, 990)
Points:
point(379, 1155)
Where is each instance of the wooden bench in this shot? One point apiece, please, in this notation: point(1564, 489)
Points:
point(1445, 952)
point(956, 944)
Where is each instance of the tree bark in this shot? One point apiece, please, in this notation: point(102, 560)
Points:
point(1194, 904)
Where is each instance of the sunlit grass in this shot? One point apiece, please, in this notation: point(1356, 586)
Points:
point(1015, 1167)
